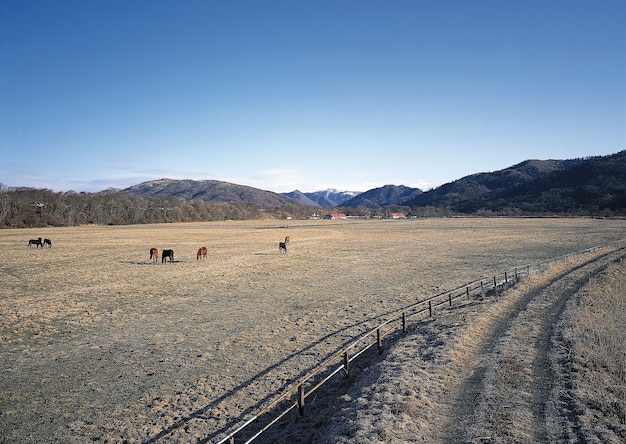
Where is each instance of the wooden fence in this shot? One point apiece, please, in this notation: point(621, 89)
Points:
point(295, 396)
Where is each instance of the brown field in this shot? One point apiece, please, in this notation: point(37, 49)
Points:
point(594, 330)
point(97, 343)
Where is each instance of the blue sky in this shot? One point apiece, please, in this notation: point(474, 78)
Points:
point(308, 95)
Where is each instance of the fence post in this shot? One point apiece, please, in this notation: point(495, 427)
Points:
point(482, 288)
point(403, 322)
point(301, 399)
point(430, 308)
point(495, 286)
point(379, 341)
point(516, 278)
point(467, 291)
point(346, 364)
point(506, 278)
point(450, 299)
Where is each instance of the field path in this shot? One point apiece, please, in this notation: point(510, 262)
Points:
point(482, 372)
point(506, 397)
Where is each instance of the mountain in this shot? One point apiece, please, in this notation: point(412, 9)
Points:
point(590, 186)
point(537, 186)
point(208, 191)
point(327, 198)
point(577, 186)
point(386, 196)
point(302, 198)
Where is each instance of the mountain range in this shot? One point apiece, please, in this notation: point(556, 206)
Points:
point(326, 198)
point(587, 184)
point(537, 186)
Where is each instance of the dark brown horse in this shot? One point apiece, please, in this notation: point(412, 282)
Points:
point(166, 254)
point(47, 242)
point(282, 247)
point(154, 254)
point(202, 253)
point(36, 242)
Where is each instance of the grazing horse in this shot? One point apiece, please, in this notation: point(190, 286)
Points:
point(166, 254)
point(282, 247)
point(47, 242)
point(36, 242)
point(154, 254)
point(202, 253)
point(287, 239)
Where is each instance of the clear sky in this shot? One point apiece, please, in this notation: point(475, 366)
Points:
point(307, 95)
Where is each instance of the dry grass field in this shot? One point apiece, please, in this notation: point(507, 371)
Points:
point(97, 343)
point(594, 331)
point(542, 362)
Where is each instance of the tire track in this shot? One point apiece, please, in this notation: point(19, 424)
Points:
point(504, 399)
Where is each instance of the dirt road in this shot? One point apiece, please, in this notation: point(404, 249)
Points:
point(507, 396)
point(485, 372)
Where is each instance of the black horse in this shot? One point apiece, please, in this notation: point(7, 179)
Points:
point(47, 242)
point(166, 254)
point(282, 247)
point(36, 242)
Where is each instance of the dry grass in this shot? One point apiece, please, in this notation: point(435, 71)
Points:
point(425, 370)
point(478, 372)
point(596, 332)
point(98, 343)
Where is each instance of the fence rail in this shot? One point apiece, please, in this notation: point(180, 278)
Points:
point(307, 385)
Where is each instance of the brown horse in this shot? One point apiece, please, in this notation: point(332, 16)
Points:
point(154, 254)
point(36, 242)
point(202, 253)
point(287, 239)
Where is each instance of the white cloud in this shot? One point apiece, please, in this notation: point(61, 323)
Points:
point(280, 180)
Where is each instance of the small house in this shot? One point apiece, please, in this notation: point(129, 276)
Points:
point(336, 216)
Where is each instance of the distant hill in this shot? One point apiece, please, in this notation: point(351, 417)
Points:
point(208, 191)
point(537, 186)
point(325, 198)
point(589, 186)
point(577, 186)
point(302, 198)
point(386, 196)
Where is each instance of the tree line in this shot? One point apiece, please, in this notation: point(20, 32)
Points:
point(33, 208)
point(24, 208)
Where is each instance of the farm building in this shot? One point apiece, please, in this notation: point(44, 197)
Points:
point(336, 216)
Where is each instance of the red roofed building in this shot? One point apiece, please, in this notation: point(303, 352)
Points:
point(336, 216)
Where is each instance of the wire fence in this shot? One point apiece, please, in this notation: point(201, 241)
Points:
point(294, 397)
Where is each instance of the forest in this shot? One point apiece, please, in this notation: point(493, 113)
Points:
point(31, 208)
